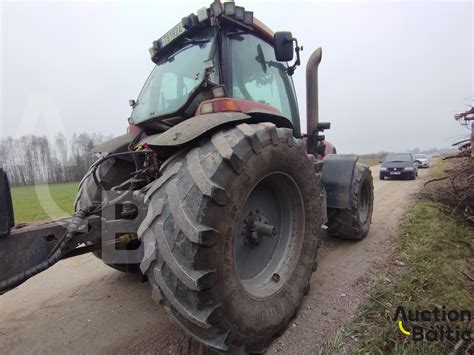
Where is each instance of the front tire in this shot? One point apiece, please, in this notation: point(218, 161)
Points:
point(230, 286)
point(354, 223)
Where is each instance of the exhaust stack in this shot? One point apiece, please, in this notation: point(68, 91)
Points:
point(312, 103)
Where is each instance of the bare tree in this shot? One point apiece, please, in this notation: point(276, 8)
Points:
point(33, 159)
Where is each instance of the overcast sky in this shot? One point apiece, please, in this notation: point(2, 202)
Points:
point(393, 73)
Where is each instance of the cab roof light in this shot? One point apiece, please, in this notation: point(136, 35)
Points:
point(248, 17)
point(153, 52)
point(229, 8)
point(202, 14)
point(216, 8)
point(239, 13)
point(189, 21)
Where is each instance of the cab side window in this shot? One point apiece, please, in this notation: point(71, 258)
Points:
point(258, 76)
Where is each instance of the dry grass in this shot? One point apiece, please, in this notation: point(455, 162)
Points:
point(451, 185)
point(430, 267)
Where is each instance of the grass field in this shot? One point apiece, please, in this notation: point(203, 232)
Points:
point(43, 202)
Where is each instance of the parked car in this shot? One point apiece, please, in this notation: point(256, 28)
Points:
point(399, 165)
point(424, 160)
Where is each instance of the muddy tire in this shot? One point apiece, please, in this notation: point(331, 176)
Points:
point(88, 194)
point(220, 277)
point(354, 223)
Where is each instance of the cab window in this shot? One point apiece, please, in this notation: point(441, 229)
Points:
point(258, 76)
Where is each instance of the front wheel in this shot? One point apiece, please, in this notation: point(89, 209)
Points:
point(232, 234)
point(354, 222)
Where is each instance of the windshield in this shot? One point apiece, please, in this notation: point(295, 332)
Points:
point(420, 156)
point(398, 157)
point(257, 76)
point(174, 78)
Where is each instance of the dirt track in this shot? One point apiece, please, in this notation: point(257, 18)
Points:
point(81, 306)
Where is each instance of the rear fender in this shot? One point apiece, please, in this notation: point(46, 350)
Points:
point(193, 128)
point(200, 125)
point(337, 173)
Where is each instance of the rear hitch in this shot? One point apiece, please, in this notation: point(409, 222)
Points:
point(28, 249)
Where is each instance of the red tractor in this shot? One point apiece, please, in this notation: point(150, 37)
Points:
point(212, 194)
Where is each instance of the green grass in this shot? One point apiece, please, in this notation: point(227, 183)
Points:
point(430, 267)
point(43, 202)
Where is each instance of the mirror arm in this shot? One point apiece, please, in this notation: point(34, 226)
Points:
point(291, 70)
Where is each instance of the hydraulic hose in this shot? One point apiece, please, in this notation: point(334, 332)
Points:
point(60, 250)
point(64, 246)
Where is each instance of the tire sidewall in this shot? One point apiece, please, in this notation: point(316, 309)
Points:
point(365, 178)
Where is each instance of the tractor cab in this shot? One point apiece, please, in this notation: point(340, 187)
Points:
point(208, 59)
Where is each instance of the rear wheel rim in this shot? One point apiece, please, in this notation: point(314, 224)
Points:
point(269, 235)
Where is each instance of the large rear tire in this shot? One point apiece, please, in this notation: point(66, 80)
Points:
point(354, 223)
point(231, 236)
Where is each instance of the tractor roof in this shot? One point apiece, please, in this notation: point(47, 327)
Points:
point(263, 30)
point(216, 14)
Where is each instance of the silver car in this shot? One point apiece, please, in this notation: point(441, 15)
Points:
point(423, 159)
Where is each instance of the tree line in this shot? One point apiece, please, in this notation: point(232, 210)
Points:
point(32, 160)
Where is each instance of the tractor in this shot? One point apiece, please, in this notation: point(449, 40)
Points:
point(214, 195)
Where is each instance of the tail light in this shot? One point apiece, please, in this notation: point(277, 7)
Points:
point(218, 105)
point(234, 105)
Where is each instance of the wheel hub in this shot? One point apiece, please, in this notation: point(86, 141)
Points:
point(255, 227)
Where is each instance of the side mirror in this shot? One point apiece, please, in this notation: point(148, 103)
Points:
point(380, 161)
point(7, 220)
point(284, 46)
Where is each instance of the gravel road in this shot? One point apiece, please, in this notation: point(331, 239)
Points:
point(81, 306)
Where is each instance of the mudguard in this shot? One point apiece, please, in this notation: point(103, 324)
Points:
point(192, 128)
point(115, 145)
point(337, 173)
point(7, 220)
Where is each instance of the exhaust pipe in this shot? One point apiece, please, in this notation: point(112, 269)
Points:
point(312, 103)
